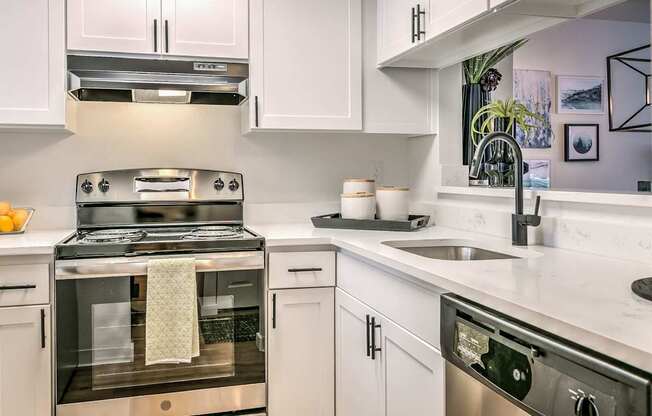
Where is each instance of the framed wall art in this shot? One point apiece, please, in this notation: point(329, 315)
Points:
point(581, 142)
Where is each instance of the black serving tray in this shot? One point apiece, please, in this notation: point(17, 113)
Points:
point(413, 223)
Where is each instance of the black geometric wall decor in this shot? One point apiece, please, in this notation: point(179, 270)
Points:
point(628, 85)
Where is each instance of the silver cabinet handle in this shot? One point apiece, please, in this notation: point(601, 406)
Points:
point(236, 285)
point(418, 15)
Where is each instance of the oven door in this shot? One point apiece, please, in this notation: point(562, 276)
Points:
point(100, 337)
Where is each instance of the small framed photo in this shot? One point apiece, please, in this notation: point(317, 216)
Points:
point(581, 142)
point(580, 95)
point(537, 175)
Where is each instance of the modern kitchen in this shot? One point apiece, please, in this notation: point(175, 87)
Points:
point(325, 208)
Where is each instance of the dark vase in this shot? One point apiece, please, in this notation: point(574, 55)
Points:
point(473, 98)
point(501, 163)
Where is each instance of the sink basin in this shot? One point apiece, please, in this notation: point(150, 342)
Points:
point(454, 250)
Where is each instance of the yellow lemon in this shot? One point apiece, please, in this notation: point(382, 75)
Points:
point(6, 224)
point(5, 207)
point(19, 218)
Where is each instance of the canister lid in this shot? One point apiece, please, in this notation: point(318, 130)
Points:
point(359, 180)
point(358, 195)
point(392, 188)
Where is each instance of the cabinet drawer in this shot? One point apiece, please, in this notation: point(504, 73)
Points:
point(24, 284)
point(301, 269)
point(412, 306)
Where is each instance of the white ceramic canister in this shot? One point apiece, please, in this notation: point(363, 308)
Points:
point(359, 206)
point(392, 203)
point(352, 186)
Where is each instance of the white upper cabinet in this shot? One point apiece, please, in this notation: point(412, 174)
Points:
point(399, 25)
point(25, 375)
point(444, 15)
point(211, 28)
point(305, 65)
point(32, 72)
point(129, 26)
point(456, 30)
point(395, 100)
point(202, 28)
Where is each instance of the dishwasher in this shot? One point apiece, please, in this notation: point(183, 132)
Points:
point(498, 366)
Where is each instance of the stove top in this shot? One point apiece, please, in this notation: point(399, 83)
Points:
point(132, 235)
point(158, 211)
point(113, 242)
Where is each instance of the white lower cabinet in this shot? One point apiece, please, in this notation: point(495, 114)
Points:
point(300, 331)
point(25, 375)
point(404, 376)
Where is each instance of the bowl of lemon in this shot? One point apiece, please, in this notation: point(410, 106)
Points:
point(14, 220)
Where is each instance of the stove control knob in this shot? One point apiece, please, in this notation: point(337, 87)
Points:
point(104, 186)
point(234, 185)
point(585, 406)
point(218, 184)
point(87, 186)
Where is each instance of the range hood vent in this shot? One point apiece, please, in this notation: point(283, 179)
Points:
point(93, 78)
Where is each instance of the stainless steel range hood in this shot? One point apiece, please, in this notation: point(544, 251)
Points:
point(93, 78)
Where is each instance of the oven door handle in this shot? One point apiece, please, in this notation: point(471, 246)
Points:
point(137, 266)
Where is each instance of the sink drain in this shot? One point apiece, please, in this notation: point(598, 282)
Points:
point(643, 288)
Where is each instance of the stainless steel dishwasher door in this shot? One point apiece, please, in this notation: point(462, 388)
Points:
point(465, 396)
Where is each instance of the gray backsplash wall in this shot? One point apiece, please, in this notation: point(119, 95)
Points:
point(38, 169)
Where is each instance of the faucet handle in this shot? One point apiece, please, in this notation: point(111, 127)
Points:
point(536, 205)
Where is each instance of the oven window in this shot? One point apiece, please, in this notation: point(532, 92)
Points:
point(101, 337)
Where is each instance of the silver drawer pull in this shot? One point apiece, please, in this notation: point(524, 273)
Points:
point(307, 269)
point(237, 285)
point(17, 287)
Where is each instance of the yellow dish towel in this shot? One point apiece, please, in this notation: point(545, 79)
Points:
point(171, 322)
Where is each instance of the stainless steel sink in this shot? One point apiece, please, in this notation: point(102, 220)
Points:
point(449, 250)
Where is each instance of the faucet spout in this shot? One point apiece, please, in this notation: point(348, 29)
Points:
point(520, 222)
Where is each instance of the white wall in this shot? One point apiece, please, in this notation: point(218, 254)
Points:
point(580, 47)
point(39, 169)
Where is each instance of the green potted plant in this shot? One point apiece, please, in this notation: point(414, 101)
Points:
point(480, 79)
point(501, 116)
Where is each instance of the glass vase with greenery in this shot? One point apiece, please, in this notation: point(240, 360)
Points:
point(501, 116)
point(481, 78)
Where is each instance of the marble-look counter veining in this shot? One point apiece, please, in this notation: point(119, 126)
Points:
point(582, 297)
point(32, 242)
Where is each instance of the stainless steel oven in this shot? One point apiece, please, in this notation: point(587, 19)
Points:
point(101, 300)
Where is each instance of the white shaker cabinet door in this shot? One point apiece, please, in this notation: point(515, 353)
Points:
point(209, 28)
point(444, 15)
point(25, 375)
point(32, 69)
point(126, 26)
point(414, 374)
point(300, 330)
point(358, 376)
point(305, 65)
point(398, 26)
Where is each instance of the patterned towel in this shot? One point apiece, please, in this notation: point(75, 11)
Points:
point(171, 323)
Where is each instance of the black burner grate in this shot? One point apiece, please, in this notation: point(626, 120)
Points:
point(643, 288)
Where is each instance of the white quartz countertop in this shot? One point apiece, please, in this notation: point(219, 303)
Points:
point(32, 242)
point(581, 297)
